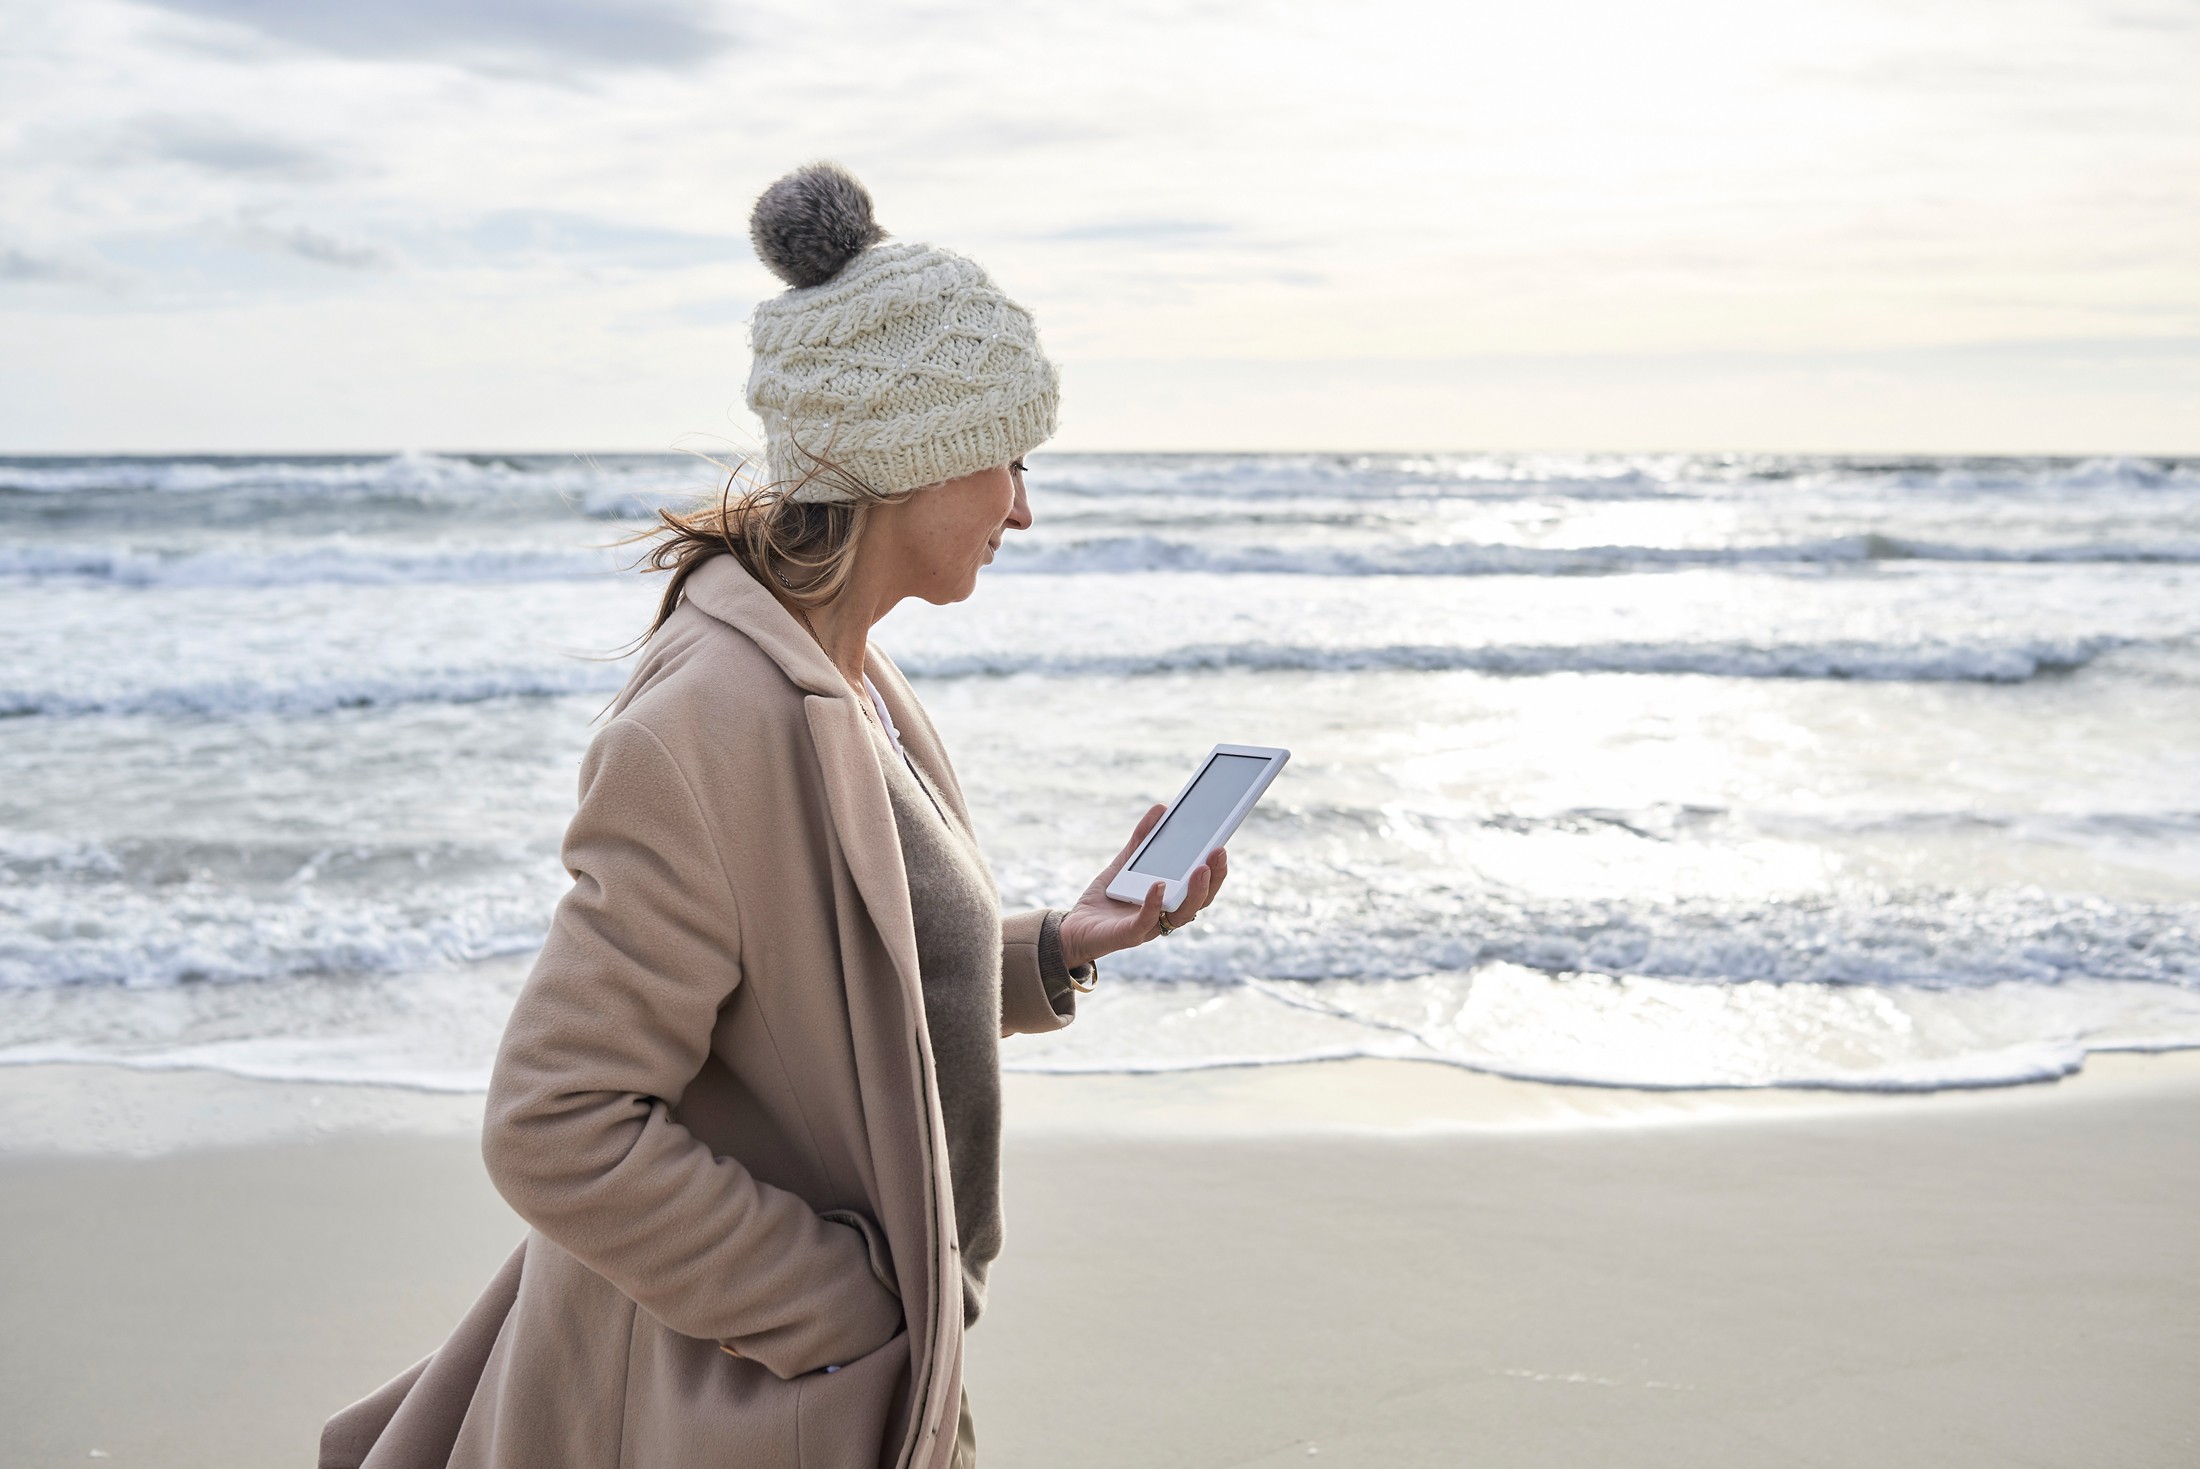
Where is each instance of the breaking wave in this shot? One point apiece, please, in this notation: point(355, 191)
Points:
point(356, 566)
point(2013, 662)
point(240, 696)
point(1158, 553)
point(318, 565)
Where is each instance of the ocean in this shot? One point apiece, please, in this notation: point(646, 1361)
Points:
point(1662, 771)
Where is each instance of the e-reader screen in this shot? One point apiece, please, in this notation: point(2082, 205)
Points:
point(1191, 824)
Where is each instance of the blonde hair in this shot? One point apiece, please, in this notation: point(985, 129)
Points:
point(803, 549)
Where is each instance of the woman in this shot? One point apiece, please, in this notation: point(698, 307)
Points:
point(749, 1100)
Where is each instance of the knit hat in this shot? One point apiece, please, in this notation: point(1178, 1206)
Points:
point(902, 364)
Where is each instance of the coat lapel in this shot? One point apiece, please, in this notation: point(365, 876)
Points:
point(862, 812)
point(918, 736)
point(890, 1038)
point(863, 819)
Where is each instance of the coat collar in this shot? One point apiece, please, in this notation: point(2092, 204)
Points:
point(855, 787)
point(723, 587)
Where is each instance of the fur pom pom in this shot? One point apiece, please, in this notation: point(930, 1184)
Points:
point(811, 223)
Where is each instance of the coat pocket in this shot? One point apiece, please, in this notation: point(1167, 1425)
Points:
point(874, 1239)
point(841, 1417)
point(688, 1403)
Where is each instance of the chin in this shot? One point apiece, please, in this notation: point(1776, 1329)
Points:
point(946, 595)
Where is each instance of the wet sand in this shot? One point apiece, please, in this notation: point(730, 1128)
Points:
point(1362, 1264)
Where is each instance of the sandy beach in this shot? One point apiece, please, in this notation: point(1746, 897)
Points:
point(1706, 497)
point(1366, 1263)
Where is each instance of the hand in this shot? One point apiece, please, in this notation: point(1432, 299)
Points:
point(1101, 925)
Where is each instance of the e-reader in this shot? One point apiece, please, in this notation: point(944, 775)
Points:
point(1201, 818)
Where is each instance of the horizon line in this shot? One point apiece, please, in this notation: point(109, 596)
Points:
point(17, 455)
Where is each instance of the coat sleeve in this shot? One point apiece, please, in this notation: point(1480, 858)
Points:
point(1036, 993)
point(614, 1021)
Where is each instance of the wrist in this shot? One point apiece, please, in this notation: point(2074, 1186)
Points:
point(1061, 954)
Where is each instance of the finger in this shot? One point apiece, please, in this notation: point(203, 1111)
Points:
point(1195, 896)
point(1138, 834)
point(1217, 867)
point(1149, 911)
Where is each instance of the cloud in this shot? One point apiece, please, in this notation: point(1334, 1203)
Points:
point(321, 248)
point(565, 33)
point(719, 311)
point(1160, 231)
point(16, 265)
point(549, 232)
point(212, 144)
point(217, 147)
point(2173, 18)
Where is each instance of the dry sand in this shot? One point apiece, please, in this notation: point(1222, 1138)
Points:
point(1363, 1264)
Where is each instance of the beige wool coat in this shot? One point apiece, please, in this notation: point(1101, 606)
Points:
point(714, 1104)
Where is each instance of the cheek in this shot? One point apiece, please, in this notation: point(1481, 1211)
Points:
point(951, 549)
point(984, 520)
point(959, 538)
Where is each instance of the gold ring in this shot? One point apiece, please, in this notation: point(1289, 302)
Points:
point(1166, 930)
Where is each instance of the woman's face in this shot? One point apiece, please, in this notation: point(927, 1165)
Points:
point(938, 538)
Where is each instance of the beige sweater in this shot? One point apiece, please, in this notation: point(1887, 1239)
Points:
point(956, 906)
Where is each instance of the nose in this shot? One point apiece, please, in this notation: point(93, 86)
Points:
point(1019, 514)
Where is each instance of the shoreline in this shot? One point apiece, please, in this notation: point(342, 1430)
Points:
point(103, 1109)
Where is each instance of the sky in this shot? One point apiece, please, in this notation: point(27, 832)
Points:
point(1864, 226)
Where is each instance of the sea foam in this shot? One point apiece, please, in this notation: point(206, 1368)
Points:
point(1644, 770)
point(2012, 662)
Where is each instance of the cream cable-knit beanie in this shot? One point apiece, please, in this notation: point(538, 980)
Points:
point(902, 364)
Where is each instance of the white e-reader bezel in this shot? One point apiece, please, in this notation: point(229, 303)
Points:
point(1131, 884)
